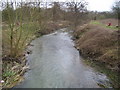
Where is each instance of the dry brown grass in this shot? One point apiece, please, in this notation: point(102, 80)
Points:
point(99, 43)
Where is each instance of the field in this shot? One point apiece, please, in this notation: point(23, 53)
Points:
point(114, 22)
point(105, 22)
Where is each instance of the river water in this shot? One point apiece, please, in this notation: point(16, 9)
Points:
point(55, 63)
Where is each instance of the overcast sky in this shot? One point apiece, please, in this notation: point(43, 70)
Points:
point(100, 5)
point(93, 5)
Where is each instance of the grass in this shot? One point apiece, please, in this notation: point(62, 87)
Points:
point(100, 44)
point(8, 73)
point(103, 25)
point(112, 75)
point(11, 77)
point(112, 27)
point(95, 22)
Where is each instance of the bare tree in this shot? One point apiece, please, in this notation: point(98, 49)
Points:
point(77, 9)
point(55, 10)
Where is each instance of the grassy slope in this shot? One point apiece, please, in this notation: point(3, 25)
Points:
point(104, 24)
point(99, 43)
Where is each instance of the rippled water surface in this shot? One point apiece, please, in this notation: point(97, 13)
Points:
point(55, 63)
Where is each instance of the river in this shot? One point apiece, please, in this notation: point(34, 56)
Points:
point(55, 63)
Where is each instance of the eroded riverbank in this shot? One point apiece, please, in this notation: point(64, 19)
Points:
point(55, 63)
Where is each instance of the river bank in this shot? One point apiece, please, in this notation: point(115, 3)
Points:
point(13, 69)
point(55, 63)
point(20, 68)
point(99, 45)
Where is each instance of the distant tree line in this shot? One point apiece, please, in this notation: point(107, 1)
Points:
point(40, 11)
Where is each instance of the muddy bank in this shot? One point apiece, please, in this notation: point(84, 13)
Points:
point(99, 44)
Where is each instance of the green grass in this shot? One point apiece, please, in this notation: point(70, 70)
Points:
point(98, 23)
point(8, 73)
point(112, 27)
point(95, 22)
